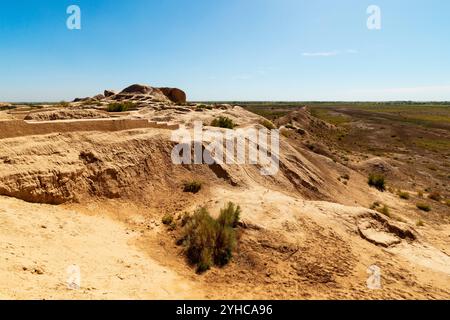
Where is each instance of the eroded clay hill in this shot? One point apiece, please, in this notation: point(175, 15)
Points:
point(303, 233)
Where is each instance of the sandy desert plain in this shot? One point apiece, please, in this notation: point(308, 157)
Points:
point(91, 184)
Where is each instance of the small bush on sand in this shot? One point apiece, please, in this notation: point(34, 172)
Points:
point(120, 106)
point(403, 195)
point(423, 207)
point(420, 223)
point(209, 241)
point(167, 219)
point(172, 226)
point(230, 215)
point(223, 122)
point(63, 104)
point(200, 234)
point(447, 202)
point(384, 210)
point(192, 186)
point(268, 124)
point(377, 181)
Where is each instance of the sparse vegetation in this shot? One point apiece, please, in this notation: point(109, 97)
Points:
point(330, 117)
point(63, 104)
point(384, 210)
point(436, 145)
point(185, 218)
point(381, 208)
point(423, 207)
point(223, 122)
point(377, 181)
point(268, 124)
point(403, 195)
point(230, 215)
point(172, 226)
point(420, 223)
point(167, 219)
point(192, 186)
point(120, 106)
point(211, 241)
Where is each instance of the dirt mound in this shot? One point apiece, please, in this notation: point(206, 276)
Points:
point(381, 166)
point(70, 167)
point(118, 165)
point(303, 120)
point(66, 114)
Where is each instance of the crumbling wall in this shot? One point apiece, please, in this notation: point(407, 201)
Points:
point(19, 128)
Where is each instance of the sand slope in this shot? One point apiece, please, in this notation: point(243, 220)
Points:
point(39, 242)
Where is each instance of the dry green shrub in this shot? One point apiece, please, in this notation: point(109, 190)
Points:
point(211, 241)
point(423, 207)
point(223, 122)
point(192, 186)
point(403, 195)
point(377, 181)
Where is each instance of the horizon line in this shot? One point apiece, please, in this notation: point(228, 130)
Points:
point(261, 101)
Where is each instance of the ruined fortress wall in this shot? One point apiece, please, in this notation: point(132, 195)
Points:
point(19, 128)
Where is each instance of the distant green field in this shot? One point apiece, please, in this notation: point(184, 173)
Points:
point(419, 113)
point(436, 145)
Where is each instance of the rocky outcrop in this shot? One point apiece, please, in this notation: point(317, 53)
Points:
point(81, 99)
point(99, 97)
point(109, 93)
point(175, 95)
point(138, 89)
point(140, 94)
point(142, 91)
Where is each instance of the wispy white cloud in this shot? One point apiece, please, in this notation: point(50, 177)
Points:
point(320, 54)
point(329, 53)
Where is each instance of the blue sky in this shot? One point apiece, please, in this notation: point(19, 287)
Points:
point(227, 49)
